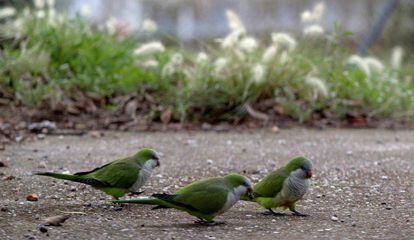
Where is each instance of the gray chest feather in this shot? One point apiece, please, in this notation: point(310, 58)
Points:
point(294, 188)
point(144, 174)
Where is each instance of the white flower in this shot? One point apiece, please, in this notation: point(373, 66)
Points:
point(284, 40)
point(248, 44)
point(258, 73)
point(219, 66)
point(168, 70)
point(110, 25)
point(149, 48)
point(231, 40)
point(313, 30)
point(40, 14)
point(50, 3)
point(396, 57)
point(306, 16)
point(360, 63)
point(176, 59)
point(149, 26)
point(284, 57)
point(7, 12)
point(314, 15)
point(235, 24)
point(39, 4)
point(150, 64)
point(85, 10)
point(318, 11)
point(269, 53)
point(202, 57)
point(374, 64)
point(318, 85)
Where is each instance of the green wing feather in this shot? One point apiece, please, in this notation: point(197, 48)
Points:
point(272, 184)
point(118, 174)
point(206, 196)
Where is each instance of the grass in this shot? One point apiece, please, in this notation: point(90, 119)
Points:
point(47, 60)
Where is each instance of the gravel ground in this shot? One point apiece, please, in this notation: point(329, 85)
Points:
point(362, 186)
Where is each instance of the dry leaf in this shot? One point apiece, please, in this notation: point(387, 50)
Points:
point(166, 115)
point(56, 220)
point(32, 197)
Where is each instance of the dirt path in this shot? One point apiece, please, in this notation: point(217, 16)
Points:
point(362, 186)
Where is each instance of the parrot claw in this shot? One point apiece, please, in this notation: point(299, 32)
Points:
point(211, 223)
point(272, 213)
point(299, 214)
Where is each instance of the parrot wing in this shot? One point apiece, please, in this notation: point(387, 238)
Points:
point(205, 196)
point(272, 184)
point(117, 174)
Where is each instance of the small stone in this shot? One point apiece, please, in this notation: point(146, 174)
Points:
point(334, 218)
point(275, 129)
point(41, 136)
point(95, 134)
point(349, 152)
point(42, 229)
point(19, 138)
point(42, 164)
point(32, 197)
point(209, 161)
point(238, 228)
point(384, 177)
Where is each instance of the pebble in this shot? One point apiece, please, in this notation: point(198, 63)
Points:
point(334, 218)
point(41, 136)
point(42, 164)
point(42, 229)
point(210, 162)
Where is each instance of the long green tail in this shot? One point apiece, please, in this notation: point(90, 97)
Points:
point(74, 178)
point(147, 201)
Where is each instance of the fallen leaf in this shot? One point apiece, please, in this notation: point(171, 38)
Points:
point(32, 197)
point(8, 178)
point(56, 220)
point(166, 115)
point(95, 134)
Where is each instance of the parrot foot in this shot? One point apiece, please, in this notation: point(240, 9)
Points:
point(273, 213)
point(133, 194)
point(210, 223)
point(299, 214)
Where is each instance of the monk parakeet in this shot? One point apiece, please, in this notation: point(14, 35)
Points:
point(118, 177)
point(203, 199)
point(284, 186)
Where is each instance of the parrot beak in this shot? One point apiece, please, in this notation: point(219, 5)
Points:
point(250, 193)
point(308, 174)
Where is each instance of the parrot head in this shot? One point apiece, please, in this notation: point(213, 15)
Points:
point(240, 184)
point(148, 157)
point(300, 166)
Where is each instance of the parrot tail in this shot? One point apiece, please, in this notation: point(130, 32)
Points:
point(74, 178)
point(161, 201)
point(143, 200)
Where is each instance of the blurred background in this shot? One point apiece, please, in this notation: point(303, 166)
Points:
point(138, 62)
point(191, 20)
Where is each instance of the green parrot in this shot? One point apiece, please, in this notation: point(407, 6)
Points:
point(203, 199)
point(118, 177)
point(283, 187)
